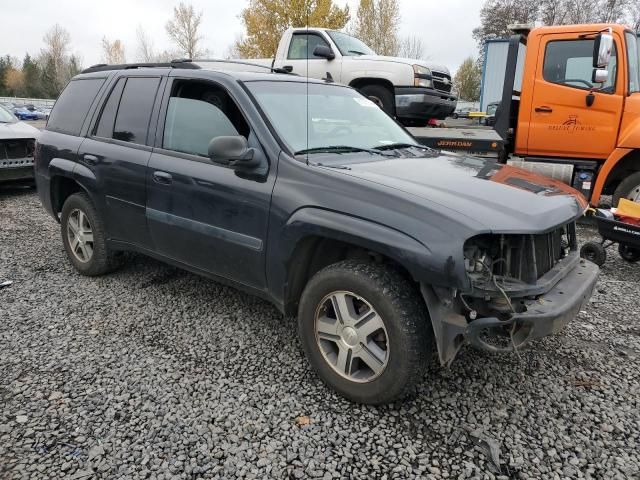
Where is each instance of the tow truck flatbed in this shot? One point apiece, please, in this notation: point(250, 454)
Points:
point(484, 142)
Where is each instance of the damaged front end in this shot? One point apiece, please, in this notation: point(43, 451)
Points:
point(522, 287)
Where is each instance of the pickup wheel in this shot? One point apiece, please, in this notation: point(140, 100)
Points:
point(365, 330)
point(629, 188)
point(381, 96)
point(83, 236)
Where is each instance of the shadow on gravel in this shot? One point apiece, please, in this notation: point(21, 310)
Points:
point(16, 189)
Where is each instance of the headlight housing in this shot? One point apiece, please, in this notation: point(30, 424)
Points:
point(421, 76)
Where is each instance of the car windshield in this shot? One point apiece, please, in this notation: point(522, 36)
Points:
point(491, 108)
point(633, 55)
point(313, 116)
point(348, 45)
point(6, 116)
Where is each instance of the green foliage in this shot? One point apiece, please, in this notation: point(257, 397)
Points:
point(467, 80)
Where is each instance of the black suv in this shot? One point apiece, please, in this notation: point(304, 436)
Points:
point(305, 193)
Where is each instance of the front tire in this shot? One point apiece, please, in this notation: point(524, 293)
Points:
point(365, 330)
point(629, 188)
point(594, 252)
point(381, 96)
point(83, 236)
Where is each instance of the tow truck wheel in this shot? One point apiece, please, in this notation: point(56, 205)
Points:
point(381, 96)
point(594, 252)
point(630, 254)
point(629, 188)
point(365, 330)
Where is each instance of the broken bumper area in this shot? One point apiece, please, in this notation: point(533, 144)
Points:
point(547, 314)
point(536, 317)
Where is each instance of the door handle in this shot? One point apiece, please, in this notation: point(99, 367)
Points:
point(162, 177)
point(90, 159)
point(544, 109)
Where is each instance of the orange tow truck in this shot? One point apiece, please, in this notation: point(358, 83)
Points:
point(577, 116)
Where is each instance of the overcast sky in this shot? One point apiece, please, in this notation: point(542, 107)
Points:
point(444, 26)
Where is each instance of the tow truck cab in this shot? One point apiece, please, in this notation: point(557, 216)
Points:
point(577, 116)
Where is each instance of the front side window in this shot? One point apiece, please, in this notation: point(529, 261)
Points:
point(197, 113)
point(72, 106)
point(134, 112)
point(311, 116)
point(303, 44)
point(349, 46)
point(633, 57)
point(570, 63)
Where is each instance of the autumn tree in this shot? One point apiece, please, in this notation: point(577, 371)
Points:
point(467, 80)
point(183, 30)
point(412, 47)
point(56, 60)
point(113, 51)
point(14, 82)
point(266, 20)
point(377, 23)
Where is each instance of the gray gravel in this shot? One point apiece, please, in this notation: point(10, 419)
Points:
point(152, 372)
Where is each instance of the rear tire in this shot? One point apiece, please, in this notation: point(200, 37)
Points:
point(383, 335)
point(594, 252)
point(381, 96)
point(629, 188)
point(630, 254)
point(84, 237)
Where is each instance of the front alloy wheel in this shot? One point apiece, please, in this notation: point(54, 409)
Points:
point(351, 336)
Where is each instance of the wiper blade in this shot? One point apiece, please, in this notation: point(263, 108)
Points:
point(395, 146)
point(341, 148)
point(357, 52)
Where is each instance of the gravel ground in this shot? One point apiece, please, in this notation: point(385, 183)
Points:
point(152, 372)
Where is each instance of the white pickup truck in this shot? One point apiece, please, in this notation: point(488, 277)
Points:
point(411, 90)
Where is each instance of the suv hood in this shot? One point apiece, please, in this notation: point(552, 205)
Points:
point(406, 61)
point(17, 130)
point(501, 198)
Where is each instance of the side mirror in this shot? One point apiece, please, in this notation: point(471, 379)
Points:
point(600, 75)
point(323, 51)
point(232, 151)
point(602, 50)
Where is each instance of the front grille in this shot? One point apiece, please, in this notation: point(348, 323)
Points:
point(16, 149)
point(525, 257)
point(441, 81)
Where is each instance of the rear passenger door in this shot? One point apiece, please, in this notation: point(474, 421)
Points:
point(204, 214)
point(117, 151)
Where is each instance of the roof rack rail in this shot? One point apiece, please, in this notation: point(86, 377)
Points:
point(185, 63)
point(250, 64)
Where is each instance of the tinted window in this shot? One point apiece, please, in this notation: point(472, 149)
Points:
point(108, 116)
point(72, 106)
point(198, 112)
point(570, 62)
point(134, 112)
point(302, 46)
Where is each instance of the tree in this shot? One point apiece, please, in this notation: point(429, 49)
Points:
point(183, 29)
point(266, 20)
point(467, 80)
point(497, 15)
point(145, 52)
point(55, 58)
point(14, 82)
point(412, 47)
point(6, 64)
point(377, 23)
point(31, 74)
point(113, 52)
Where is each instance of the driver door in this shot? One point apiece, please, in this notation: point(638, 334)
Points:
point(562, 123)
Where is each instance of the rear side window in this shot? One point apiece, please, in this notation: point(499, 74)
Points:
point(108, 117)
point(72, 106)
point(134, 112)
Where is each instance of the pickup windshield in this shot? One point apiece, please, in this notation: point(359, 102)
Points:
point(6, 116)
point(314, 117)
point(349, 46)
point(633, 56)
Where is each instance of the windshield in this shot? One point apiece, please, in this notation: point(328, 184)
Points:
point(491, 108)
point(348, 45)
point(6, 116)
point(315, 116)
point(633, 56)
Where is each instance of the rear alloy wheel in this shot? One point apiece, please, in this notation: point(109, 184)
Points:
point(630, 254)
point(365, 331)
point(629, 188)
point(83, 236)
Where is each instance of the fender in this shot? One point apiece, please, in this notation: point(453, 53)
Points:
point(416, 257)
point(61, 167)
point(607, 167)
